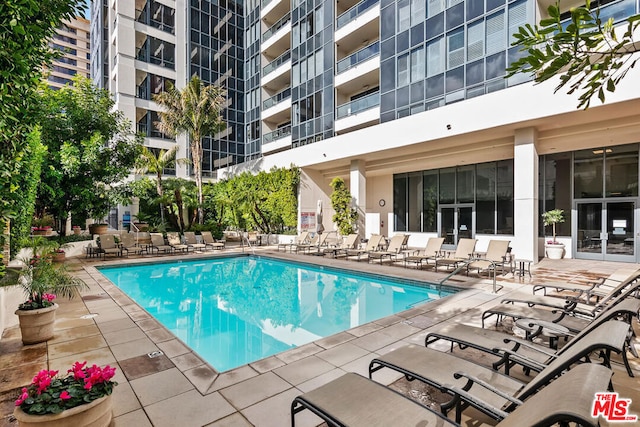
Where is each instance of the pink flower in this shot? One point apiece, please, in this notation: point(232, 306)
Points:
point(78, 370)
point(65, 395)
point(22, 397)
point(48, 297)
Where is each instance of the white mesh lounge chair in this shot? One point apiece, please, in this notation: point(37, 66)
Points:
point(298, 240)
point(432, 251)
point(158, 245)
point(128, 244)
point(355, 401)
point(192, 242)
point(210, 242)
point(373, 244)
point(349, 242)
point(173, 238)
point(393, 251)
point(496, 256)
point(462, 255)
point(108, 246)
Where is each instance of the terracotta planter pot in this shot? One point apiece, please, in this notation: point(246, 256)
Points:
point(95, 414)
point(37, 325)
point(77, 231)
point(98, 228)
point(59, 257)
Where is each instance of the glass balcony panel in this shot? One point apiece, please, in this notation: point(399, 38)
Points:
point(360, 56)
point(275, 99)
point(275, 27)
point(358, 105)
point(276, 134)
point(354, 12)
point(276, 63)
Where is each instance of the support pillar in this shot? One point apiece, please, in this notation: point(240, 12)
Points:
point(525, 186)
point(358, 189)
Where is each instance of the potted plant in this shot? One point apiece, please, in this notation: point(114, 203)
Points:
point(76, 230)
point(554, 249)
point(41, 282)
point(41, 226)
point(81, 398)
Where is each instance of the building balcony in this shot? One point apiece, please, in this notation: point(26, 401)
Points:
point(357, 16)
point(358, 57)
point(277, 104)
point(277, 38)
point(162, 21)
point(359, 74)
point(163, 59)
point(277, 140)
point(277, 74)
point(359, 113)
point(272, 10)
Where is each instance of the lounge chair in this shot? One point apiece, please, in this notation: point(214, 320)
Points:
point(373, 244)
point(128, 243)
point(252, 238)
point(495, 392)
point(300, 239)
point(511, 349)
point(462, 255)
point(108, 246)
point(496, 256)
point(305, 246)
point(173, 238)
point(598, 288)
point(209, 241)
point(192, 242)
point(158, 245)
point(392, 252)
point(431, 252)
point(355, 401)
point(341, 246)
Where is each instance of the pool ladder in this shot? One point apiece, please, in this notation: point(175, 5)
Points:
point(246, 239)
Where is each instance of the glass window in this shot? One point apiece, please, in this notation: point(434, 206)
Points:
point(455, 80)
point(475, 72)
point(621, 171)
point(455, 48)
point(455, 16)
point(403, 70)
point(518, 17)
point(485, 198)
point(435, 86)
point(587, 176)
point(555, 189)
point(504, 191)
point(447, 185)
point(435, 26)
point(475, 41)
point(492, 4)
point(435, 57)
point(434, 7)
point(414, 196)
point(496, 40)
point(430, 201)
point(417, 11)
point(418, 64)
point(400, 202)
point(404, 15)
point(465, 184)
point(495, 65)
point(474, 9)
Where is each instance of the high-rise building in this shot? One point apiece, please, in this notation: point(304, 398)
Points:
point(73, 39)
point(406, 100)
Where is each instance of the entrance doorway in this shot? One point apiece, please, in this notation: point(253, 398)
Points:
point(606, 230)
point(455, 223)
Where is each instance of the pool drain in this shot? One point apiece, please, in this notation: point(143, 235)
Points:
point(154, 354)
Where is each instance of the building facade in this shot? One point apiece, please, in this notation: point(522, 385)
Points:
point(73, 40)
point(407, 101)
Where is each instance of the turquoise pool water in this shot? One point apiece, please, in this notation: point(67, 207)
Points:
point(233, 311)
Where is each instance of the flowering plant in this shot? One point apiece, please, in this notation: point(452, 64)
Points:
point(50, 394)
point(553, 242)
point(38, 301)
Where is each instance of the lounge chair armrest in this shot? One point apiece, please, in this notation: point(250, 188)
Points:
point(481, 405)
point(475, 380)
point(513, 356)
point(528, 344)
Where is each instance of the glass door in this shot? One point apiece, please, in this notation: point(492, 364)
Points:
point(606, 231)
point(456, 222)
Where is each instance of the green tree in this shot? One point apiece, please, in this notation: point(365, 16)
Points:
point(346, 216)
point(589, 55)
point(149, 162)
point(91, 150)
point(25, 29)
point(194, 110)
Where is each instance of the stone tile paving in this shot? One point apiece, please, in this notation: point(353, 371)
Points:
point(178, 388)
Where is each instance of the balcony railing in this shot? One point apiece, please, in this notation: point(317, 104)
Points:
point(276, 63)
point(354, 12)
point(276, 134)
point(143, 54)
point(619, 11)
point(275, 27)
point(145, 128)
point(358, 105)
point(143, 90)
point(360, 56)
point(278, 97)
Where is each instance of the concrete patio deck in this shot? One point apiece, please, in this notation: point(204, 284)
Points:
point(105, 326)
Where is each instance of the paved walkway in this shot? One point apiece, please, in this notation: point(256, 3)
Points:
point(177, 388)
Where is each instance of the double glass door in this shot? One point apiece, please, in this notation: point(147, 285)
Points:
point(456, 222)
point(606, 230)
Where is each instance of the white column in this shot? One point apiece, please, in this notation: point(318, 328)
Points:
point(525, 170)
point(358, 188)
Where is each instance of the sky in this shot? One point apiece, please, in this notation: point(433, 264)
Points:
point(87, 9)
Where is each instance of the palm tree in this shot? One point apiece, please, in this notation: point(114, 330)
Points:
point(194, 110)
point(148, 162)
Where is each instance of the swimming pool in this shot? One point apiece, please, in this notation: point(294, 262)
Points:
point(236, 310)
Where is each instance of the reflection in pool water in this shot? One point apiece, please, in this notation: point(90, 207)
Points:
point(233, 311)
